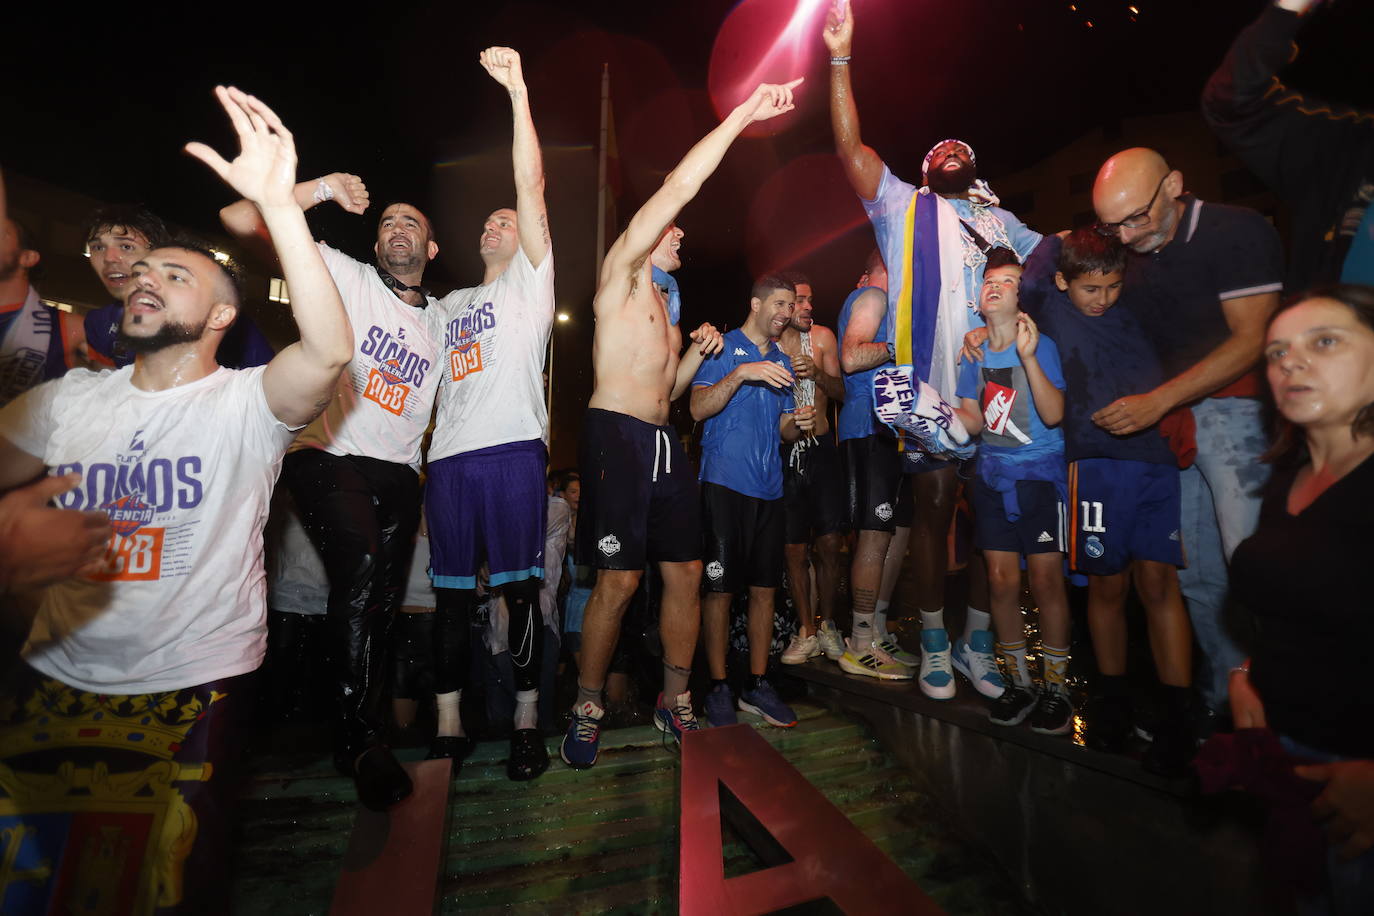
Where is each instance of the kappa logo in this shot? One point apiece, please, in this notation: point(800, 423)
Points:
point(609, 545)
point(1093, 547)
point(714, 570)
point(883, 511)
point(739, 351)
point(1044, 538)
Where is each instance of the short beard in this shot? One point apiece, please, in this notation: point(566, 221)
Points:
point(397, 265)
point(1155, 240)
point(955, 182)
point(169, 335)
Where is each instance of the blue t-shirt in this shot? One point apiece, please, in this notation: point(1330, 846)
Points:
point(243, 346)
point(856, 413)
point(1012, 430)
point(739, 445)
point(1104, 358)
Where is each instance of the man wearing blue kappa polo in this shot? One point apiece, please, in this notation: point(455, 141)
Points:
point(744, 395)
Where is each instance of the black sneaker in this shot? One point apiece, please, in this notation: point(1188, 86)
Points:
point(1108, 723)
point(1053, 713)
point(528, 756)
point(1012, 707)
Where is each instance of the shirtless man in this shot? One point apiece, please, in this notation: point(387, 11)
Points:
point(639, 493)
point(813, 483)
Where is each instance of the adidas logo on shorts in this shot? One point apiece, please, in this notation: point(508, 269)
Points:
point(1044, 538)
point(714, 570)
point(609, 545)
point(883, 511)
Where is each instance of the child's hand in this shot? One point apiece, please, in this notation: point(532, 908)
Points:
point(1027, 336)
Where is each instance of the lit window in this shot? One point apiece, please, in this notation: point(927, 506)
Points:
point(277, 292)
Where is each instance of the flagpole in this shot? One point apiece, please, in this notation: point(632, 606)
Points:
point(601, 171)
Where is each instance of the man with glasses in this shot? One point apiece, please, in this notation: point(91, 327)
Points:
point(1207, 281)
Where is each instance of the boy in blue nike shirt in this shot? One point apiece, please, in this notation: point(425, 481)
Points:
point(1015, 398)
point(744, 395)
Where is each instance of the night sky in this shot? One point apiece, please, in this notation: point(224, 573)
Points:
point(100, 100)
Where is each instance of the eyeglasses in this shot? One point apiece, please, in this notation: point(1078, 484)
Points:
point(1137, 220)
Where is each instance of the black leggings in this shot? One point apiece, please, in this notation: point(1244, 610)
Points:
point(453, 628)
point(361, 514)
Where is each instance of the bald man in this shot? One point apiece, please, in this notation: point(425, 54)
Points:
point(1207, 280)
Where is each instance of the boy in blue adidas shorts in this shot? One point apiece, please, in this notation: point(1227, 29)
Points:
point(1015, 398)
point(1123, 490)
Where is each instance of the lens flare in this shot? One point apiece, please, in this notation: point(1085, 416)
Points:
point(764, 41)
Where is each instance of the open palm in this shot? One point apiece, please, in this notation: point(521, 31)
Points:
point(265, 169)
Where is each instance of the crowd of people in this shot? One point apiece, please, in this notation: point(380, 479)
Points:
point(1095, 398)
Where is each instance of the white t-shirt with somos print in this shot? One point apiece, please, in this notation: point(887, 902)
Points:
point(382, 405)
point(493, 338)
point(185, 475)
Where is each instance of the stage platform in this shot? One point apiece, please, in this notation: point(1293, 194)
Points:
point(1081, 832)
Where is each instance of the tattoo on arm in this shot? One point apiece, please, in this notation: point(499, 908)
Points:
point(544, 225)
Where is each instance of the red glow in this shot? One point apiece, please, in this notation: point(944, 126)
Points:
point(765, 41)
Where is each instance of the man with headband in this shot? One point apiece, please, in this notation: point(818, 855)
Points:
point(353, 473)
point(639, 493)
point(933, 240)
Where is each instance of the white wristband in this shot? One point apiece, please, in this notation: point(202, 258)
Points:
point(323, 192)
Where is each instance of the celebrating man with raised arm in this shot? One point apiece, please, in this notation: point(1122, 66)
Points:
point(136, 674)
point(639, 496)
point(933, 241)
point(486, 498)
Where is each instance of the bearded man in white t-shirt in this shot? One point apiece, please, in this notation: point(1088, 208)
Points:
point(123, 738)
point(354, 473)
point(485, 498)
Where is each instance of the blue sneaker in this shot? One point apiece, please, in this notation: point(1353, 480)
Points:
point(764, 701)
point(579, 746)
point(677, 718)
point(937, 677)
point(975, 661)
point(720, 706)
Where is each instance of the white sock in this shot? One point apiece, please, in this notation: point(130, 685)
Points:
point(446, 709)
point(861, 634)
point(880, 618)
point(933, 620)
point(527, 708)
point(976, 620)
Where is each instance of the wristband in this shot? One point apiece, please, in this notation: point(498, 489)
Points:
point(840, 61)
point(323, 192)
point(1242, 668)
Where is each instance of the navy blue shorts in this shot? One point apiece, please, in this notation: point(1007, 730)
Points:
point(1121, 511)
point(1040, 529)
point(488, 504)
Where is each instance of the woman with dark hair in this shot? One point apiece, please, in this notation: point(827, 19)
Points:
point(1304, 575)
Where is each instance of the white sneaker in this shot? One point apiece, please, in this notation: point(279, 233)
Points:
point(974, 660)
point(832, 643)
point(888, 643)
point(874, 663)
point(801, 649)
point(937, 674)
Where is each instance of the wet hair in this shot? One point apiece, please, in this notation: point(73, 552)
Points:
point(231, 274)
point(998, 256)
point(1289, 442)
point(129, 217)
point(769, 282)
point(429, 225)
point(796, 278)
point(1087, 251)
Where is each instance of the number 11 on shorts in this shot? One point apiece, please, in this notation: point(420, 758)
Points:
point(1091, 513)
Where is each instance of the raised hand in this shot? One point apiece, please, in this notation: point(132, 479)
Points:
point(349, 191)
point(504, 66)
point(766, 371)
point(770, 100)
point(1027, 336)
point(708, 339)
point(265, 169)
point(838, 33)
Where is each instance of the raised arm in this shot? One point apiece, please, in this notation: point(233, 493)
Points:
point(300, 380)
point(626, 257)
point(531, 216)
point(858, 350)
point(862, 166)
point(244, 220)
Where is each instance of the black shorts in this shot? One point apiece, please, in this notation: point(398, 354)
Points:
point(812, 490)
point(1040, 529)
point(873, 471)
point(639, 494)
point(743, 540)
